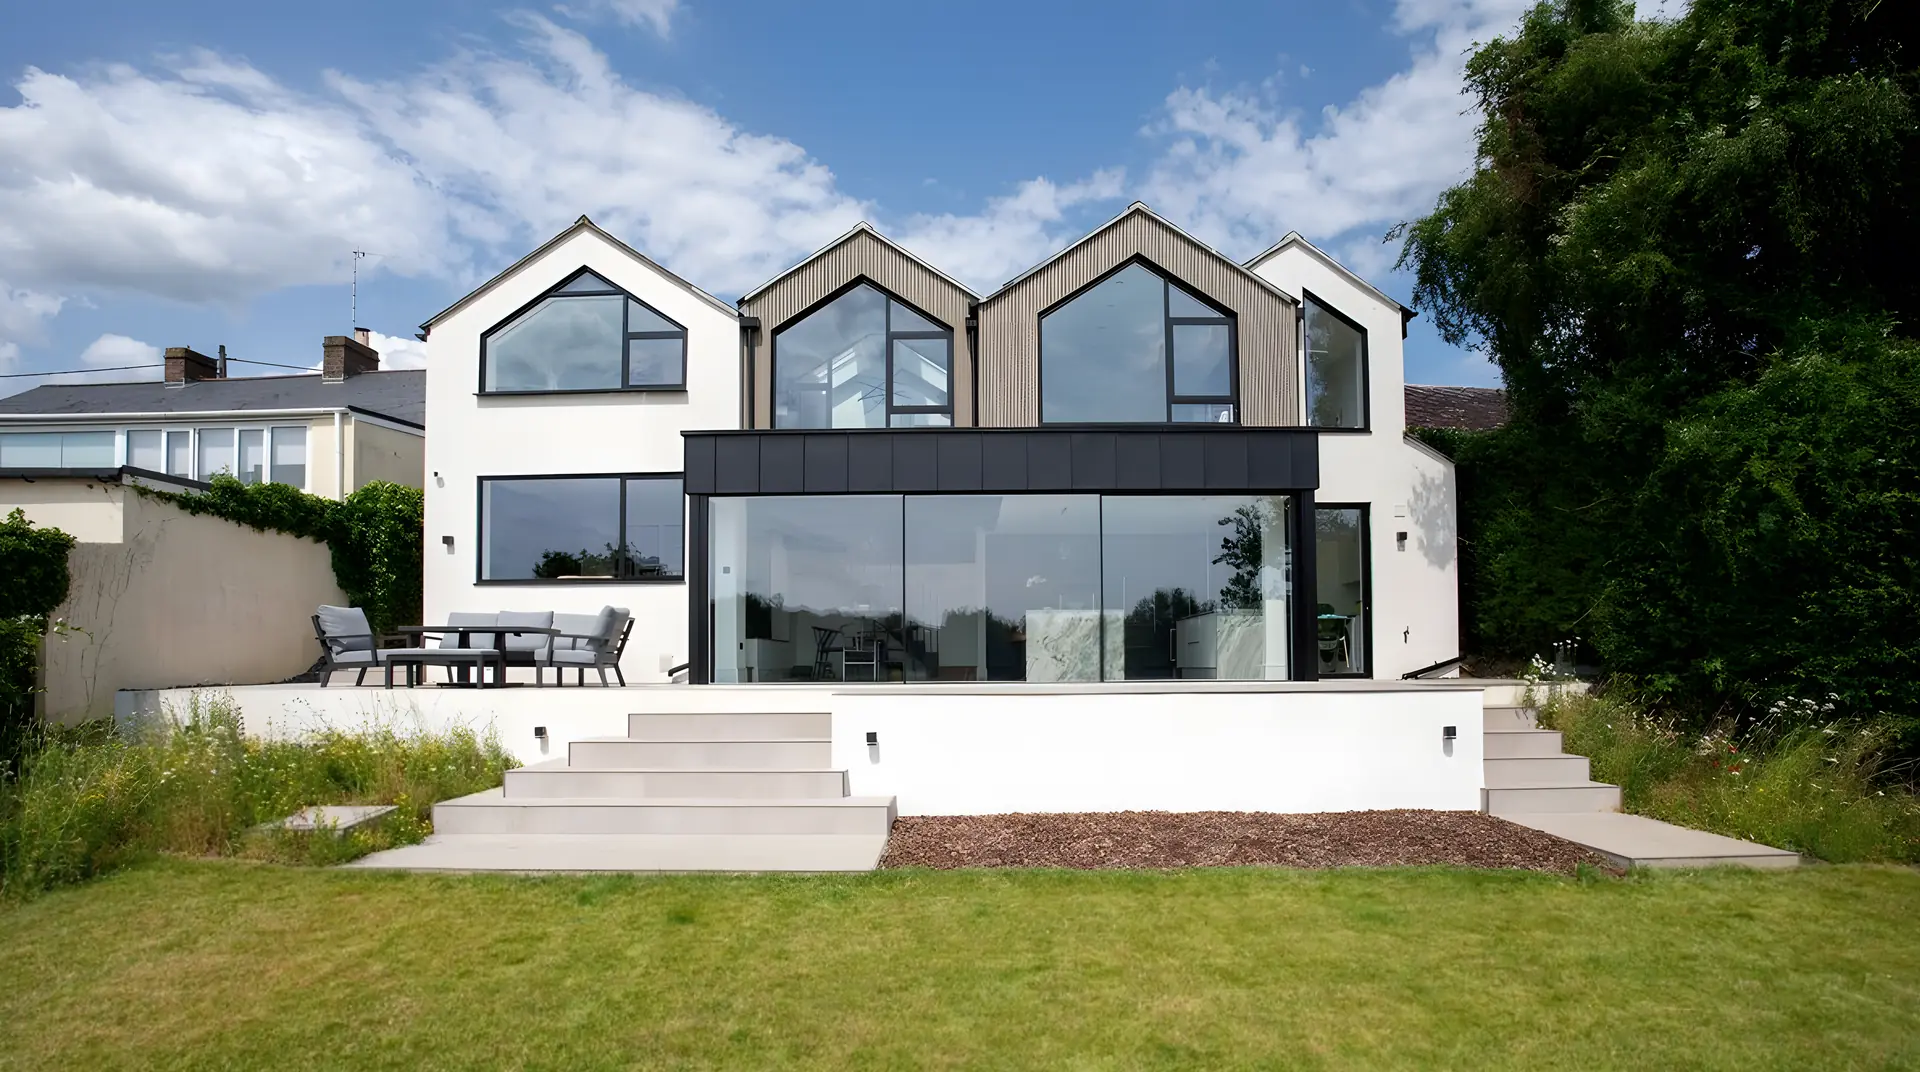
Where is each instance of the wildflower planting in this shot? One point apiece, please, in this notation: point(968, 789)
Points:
point(1824, 790)
point(87, 801)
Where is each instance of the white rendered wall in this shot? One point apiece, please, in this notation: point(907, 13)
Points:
point(1407, 487)
point(991, 749)
point(619, 432)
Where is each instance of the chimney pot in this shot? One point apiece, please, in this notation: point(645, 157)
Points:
point(363, 336)
point(186, 365)
point(342, 356)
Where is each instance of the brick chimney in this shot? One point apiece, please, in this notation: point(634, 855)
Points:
point(185, 365)
point(343, 356)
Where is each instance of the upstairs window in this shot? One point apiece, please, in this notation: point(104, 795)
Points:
point(1136, 348)
point(1336, 368)
point(584, 335)
point(863, 360)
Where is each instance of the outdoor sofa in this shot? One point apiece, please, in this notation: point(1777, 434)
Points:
point(539, 639)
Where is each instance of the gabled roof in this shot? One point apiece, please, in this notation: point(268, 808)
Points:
point(862, 226)
point(579, 225)
point(1293, 238)
point(1138, 208)
point(396, 394)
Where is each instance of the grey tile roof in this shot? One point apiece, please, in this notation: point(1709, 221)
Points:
point(397, 393)
point(1474, 409)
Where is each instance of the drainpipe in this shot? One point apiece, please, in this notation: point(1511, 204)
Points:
point(339, 458)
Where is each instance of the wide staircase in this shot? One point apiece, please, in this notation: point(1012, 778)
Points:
point(680, 792)
point(1531, 781)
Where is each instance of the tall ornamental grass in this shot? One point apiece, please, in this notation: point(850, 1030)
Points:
point(89, 800)
point(1824, 790)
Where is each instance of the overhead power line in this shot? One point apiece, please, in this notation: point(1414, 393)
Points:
point(76, 371)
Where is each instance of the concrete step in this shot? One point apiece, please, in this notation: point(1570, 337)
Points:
point(491, 812)
point(1520, 744)
point(629, 754)
point(556, 779)
point(1536, 771)
point(730, 726)
point(1544, 799)
point(1499, 718)
point(634, 852)
point(1637, 841)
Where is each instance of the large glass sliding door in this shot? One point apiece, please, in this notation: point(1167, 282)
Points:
point(805, 588)
point(1004, 588)
point(1201, 585)
point(1000, 587)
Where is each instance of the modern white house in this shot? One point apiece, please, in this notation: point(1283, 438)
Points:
point(1137, 461)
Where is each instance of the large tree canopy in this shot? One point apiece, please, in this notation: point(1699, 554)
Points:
point(1688, 246)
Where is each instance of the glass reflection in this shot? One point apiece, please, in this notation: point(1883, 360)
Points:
point(1004, 588)
point(562, 344)
point(806, 589)
point(1103, 354)
point(1336, 369)
point(1202, 584)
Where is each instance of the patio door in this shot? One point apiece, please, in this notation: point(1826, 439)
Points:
point(1344, 554)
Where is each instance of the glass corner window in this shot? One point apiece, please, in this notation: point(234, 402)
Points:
point(584, 335)
point(1336, 368)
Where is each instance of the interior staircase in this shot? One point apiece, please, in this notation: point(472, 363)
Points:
point(1531, 781)
point(706, 791)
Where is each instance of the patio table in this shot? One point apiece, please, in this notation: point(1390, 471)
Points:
point(465, 633)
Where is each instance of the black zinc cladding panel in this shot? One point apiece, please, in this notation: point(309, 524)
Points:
point(826, 463)
point(783, 467)
point(1003, 462)
point(1223, 459)
point(960, 462)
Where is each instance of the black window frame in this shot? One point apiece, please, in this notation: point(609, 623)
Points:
point(1366, 581)
point(627, 337)
point(888, 337)
point(480, 529)
point(1306, 367)
point(1168, 281)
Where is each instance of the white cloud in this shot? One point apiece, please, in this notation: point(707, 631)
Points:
point(657, 14)
point(399, 351)
point(1241, 169)
point(205, 180)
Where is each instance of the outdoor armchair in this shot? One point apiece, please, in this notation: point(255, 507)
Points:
point(590, 642)
point(347, 642)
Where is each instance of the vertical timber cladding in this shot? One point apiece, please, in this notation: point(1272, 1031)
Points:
point(862, 253)
point(1010, 321)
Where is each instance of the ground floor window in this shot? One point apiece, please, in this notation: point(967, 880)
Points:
point(999, 587)
point(582, 528)
point(1344, 589)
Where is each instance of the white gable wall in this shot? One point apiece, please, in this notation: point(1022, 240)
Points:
point(566, 434)
point(1407, 487)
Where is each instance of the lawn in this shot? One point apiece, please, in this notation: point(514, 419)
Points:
point(229, 964)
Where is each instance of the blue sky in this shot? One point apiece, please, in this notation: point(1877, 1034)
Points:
point(196, 173)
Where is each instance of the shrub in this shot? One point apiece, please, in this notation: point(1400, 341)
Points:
point(1824, 790)
point(34, 580)
point(90, 800)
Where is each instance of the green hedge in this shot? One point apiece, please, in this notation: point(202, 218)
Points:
point(33, 581)
point(374, 535)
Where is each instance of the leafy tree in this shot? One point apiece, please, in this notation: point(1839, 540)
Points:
point(1686, 245)
point(34, 579)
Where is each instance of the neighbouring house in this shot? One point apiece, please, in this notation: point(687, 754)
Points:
point(161, 597)
point(1139, 461)
point(327, 432)
point(1468, 409)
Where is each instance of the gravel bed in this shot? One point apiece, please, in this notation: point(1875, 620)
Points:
point(1156, 839)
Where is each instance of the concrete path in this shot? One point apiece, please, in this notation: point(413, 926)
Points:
point(634, 852)
point(1637, 841)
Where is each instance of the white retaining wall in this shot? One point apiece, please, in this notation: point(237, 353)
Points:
point(972, 749)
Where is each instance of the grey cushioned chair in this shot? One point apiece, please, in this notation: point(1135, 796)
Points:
point(590, 642)
point(347, 643)
point(526, 649)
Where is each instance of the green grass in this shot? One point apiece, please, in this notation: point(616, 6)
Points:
point(225, 964)
point(1820, 790)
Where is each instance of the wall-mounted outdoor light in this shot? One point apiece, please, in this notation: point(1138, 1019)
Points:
point(1400, 540)
point(873, 747)
point(540, 732)
point(1448, 734)
point(447, 542)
